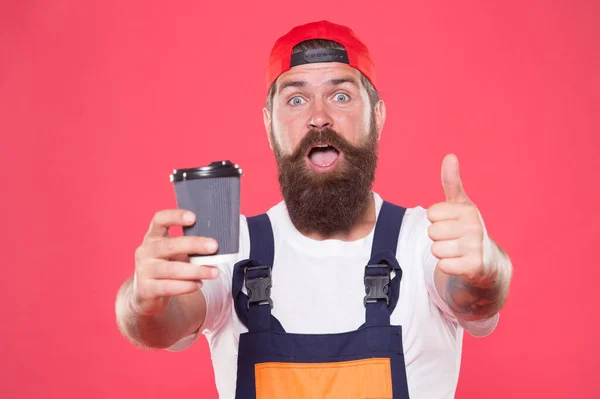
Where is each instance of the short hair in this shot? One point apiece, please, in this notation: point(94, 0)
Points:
point(314, 44)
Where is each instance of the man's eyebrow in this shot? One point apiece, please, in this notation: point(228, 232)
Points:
point(292, 83)
point(337, 82)
point(331, 82)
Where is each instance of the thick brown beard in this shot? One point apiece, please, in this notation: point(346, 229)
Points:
point(332, 202)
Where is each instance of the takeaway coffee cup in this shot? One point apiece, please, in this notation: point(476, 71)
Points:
point(213, 193)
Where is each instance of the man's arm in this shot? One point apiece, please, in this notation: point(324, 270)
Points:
point(162, 302)
point(182, 316)
point(481, 299)
point(472, 274)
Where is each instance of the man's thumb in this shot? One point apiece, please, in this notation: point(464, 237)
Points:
point(451, 182)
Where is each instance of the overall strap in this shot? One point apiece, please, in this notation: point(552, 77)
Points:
point(382, 294)
point(254, 308)
point(262, 246)
point(387, 229)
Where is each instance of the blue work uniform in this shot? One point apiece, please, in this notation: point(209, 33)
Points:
point(365, 363)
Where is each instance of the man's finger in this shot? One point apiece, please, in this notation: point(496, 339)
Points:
point(446, 211)
point(451, 181)
point(162, 220)
point(182, 271)
point(445, 230)
point(446, 249)
point(459, 266)
point(167, 248)
point(167, 288)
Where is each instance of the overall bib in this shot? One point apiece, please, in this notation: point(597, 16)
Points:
point(365, 363)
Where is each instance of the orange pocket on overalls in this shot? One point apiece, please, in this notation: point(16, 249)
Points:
point(368, 378)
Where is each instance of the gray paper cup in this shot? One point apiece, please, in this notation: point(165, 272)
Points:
point(213, 193)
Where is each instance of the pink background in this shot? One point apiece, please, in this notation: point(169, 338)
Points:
point(99, 101)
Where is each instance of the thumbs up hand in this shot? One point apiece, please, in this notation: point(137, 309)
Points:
point(457, 230)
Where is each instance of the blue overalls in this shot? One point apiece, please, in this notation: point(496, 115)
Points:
point(365, 363)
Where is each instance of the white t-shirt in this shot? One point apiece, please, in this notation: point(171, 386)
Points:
point(318, 288)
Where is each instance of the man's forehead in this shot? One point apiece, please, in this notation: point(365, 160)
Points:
point(319, 74)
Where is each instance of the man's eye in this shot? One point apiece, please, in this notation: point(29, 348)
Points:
point(342, 97)
point(296, 101)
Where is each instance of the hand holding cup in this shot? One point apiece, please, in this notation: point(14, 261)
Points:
point(162, 267)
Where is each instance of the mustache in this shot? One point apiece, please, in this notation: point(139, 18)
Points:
point(323, 136)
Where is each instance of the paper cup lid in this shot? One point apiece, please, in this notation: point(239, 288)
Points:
point(215, 169)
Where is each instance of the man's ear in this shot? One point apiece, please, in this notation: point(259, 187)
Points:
point(267, 122)
point(379, 116)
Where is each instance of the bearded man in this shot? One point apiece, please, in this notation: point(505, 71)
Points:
point(336, 293)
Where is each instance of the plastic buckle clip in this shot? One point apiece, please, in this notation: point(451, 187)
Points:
point(376, 286)
point(259, 288)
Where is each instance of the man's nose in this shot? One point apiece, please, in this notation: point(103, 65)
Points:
point(319, 117)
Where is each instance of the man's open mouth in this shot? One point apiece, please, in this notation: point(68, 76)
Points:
point(323, 155)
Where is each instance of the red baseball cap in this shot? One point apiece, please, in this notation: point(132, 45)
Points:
point(356, 54)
